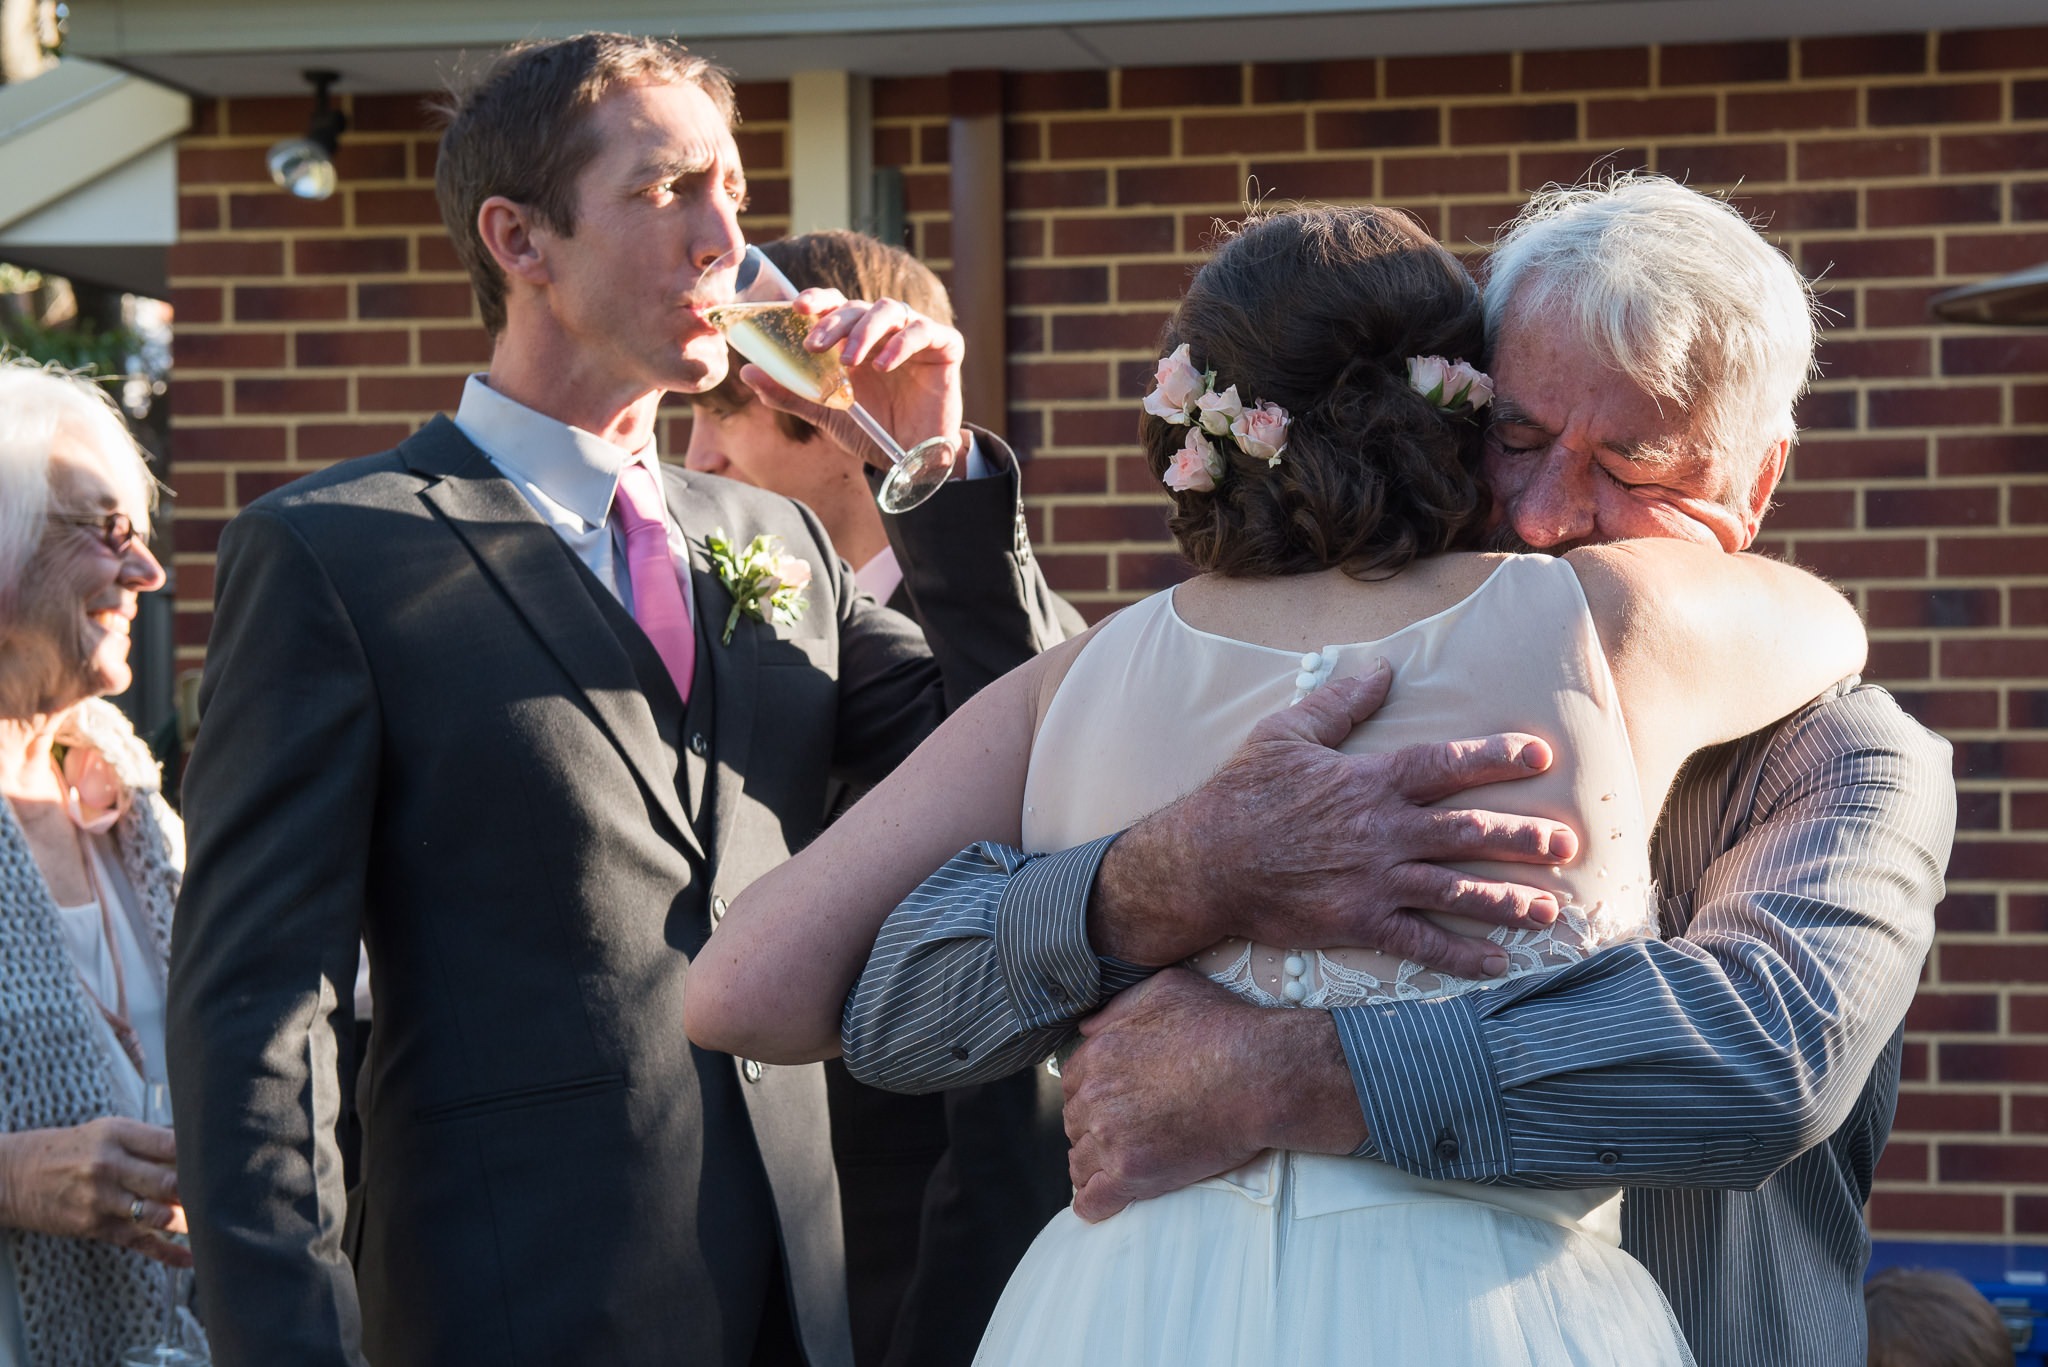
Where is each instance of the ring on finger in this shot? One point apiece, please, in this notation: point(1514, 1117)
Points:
point(135, 1209)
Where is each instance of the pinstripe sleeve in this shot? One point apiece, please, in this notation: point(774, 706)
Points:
point(1712, 1058)
point(980, 972)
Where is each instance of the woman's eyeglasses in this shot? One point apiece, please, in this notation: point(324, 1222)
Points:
point(116, 530)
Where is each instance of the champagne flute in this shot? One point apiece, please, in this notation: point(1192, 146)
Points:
point(762, 324)
point(170, 1349)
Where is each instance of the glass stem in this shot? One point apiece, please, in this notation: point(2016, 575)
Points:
point(878, 433)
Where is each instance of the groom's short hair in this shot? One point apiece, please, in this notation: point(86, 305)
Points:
point(1677, 289)
point(521, 130)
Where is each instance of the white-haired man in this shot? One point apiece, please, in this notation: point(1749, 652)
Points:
point(1738, 1075)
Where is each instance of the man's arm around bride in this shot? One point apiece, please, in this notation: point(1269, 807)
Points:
point(1737, 1075)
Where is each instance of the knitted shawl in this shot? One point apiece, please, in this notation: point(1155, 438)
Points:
point(82, 1301)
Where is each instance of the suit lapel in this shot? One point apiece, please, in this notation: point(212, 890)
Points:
point(731, 667)
point(530, 565)
point(701, 720)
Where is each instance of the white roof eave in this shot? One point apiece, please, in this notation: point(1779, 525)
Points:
point(261, 47)
point(73, 124)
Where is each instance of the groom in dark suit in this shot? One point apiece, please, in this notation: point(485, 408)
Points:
point(475, 701)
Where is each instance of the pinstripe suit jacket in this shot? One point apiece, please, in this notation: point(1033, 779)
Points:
point(1738, 1075)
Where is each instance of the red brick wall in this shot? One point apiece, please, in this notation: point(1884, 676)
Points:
point(1890, 165)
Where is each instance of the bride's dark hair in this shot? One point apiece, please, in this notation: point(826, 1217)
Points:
point(1318, 310)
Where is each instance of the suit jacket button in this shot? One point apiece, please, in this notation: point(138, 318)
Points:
point(1446, 1145)
point(717, 910)
point(699, 746)
point(1609, 1157)
point(750, 1070)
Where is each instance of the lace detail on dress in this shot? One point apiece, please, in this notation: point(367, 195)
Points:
point(1327, 978)
point(1239, 978)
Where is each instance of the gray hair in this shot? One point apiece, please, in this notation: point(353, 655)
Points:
point(35, 402)
point(1677, 289)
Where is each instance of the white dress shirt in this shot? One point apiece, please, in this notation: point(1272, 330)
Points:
point(570, 477)
point(879, 577)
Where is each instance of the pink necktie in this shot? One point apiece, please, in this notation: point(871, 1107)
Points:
point(658, 604)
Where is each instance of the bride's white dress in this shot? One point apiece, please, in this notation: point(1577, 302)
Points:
point(1301, 1258)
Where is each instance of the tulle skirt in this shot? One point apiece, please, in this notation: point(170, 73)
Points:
point(1308, 1260)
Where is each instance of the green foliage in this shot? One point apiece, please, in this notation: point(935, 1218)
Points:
point(75, 345)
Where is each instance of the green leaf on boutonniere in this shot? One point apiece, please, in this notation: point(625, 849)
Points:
point(765, 584)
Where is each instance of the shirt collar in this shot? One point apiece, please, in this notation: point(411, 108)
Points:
point(573, 467)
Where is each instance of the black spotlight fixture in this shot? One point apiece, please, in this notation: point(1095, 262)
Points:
point(2016, 300)
point(305, 166)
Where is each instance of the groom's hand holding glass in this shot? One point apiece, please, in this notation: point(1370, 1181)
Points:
point(893, 376)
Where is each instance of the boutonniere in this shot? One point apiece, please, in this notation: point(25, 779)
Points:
point(765, 584)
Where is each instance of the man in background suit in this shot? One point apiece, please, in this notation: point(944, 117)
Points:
point(488, 718)
point(940, 1193)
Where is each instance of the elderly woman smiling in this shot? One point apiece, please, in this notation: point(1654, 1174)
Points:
point(89, 867)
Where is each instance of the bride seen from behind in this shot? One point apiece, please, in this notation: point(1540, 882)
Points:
point(1324, 498)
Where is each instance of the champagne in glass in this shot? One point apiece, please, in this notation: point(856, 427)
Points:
point(762, 324)
point(772, 337)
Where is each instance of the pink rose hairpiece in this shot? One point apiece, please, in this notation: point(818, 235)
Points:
point(1452, 386)
point(1187, 397)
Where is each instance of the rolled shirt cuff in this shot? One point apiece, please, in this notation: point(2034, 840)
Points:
point(1427, 1087)
point(1117, 974)
point(1052, 973)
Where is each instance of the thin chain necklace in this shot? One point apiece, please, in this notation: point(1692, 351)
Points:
point(116, 1017)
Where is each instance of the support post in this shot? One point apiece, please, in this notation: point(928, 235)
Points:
point(975, 151)
point(821, 169)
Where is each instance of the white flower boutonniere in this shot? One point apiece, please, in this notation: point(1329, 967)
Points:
point(765, 584)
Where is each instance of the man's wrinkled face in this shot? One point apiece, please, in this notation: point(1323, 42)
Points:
point(1579, 453)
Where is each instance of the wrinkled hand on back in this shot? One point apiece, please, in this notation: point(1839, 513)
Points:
point(1177, 1080)
point(1297, 844)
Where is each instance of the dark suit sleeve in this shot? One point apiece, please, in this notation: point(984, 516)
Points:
point(279, 797)
point(978, 590)
point(983, 603)
point(1714, 1058)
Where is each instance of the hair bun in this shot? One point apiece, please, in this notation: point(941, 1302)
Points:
point(1304, 309)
